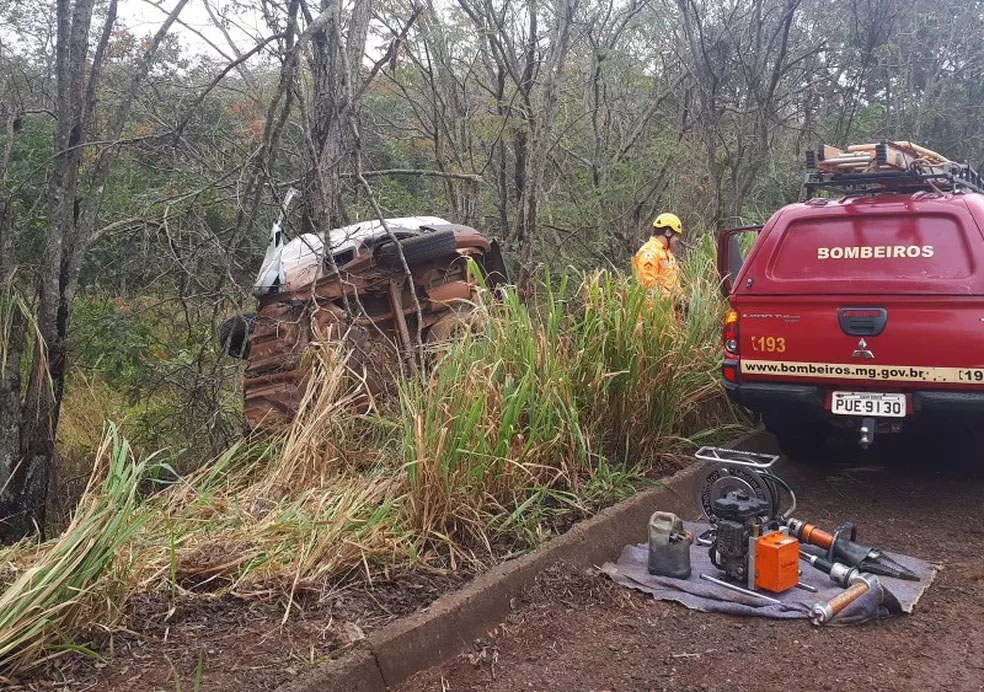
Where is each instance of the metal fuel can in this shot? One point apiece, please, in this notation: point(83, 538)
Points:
point(669, 546)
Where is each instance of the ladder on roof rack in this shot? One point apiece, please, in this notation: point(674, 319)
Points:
point(884, 167)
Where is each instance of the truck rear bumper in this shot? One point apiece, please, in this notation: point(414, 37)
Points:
point(808, 402)
point(949, 404)
point(799, 401)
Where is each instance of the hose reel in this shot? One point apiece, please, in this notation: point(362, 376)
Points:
point(734, 470)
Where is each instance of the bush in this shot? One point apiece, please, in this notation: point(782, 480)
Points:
point(555, 408)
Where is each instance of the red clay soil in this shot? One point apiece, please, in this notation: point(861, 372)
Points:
point(578, 631)
point(242, 643)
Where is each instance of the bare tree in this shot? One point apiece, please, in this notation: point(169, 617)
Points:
point(515, 52)
point(440, 94)
point(11, 317)
point(744, 66)
point(74, 201)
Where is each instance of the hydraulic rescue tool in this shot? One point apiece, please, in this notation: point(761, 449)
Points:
point(824, 612)
point(733, 469)
point(748, 550)
point(839, 573)
point(855, 582)
point(755, 541)
point(846, 550)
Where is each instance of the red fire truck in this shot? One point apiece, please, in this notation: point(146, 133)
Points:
point(861, 307)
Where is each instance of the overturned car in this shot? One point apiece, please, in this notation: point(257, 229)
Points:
point(351, 282)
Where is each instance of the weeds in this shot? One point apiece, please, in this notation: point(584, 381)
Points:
point(21, 340)
point(548, 412)
point(574, 399)
point(196, 681)
point(82, 575)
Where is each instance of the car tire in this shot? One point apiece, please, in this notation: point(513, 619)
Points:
point(976, 446)
point(416, 249)
point(957, 444)
point(455, 324)
point(234, 334)
point(799, 440)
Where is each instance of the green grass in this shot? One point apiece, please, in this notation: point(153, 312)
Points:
point(83, 574)
point(558, 406)
point(568, 403)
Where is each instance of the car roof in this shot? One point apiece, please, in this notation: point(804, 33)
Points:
point(817, 206)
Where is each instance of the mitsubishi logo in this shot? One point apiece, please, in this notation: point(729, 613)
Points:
point(862, 350)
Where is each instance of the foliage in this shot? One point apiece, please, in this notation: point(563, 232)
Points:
point(563, 402)
point(189, 200)
point(597, 371)
point(549, 412)
point(82, 576)
point(146, 365)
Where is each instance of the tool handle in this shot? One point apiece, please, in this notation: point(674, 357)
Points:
point(825, 612)
point(823, 565)
point(814, 535)
point(848, 596)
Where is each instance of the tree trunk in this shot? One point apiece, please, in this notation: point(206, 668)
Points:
point(536, 150)
point(11, 355)
point(337, 50)
point(24, 498)
point(71, 228)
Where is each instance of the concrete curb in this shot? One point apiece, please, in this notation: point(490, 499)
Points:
point(394, 653)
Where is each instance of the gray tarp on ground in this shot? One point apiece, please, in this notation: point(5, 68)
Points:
point(632, 570)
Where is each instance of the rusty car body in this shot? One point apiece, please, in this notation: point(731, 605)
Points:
point(354, 284)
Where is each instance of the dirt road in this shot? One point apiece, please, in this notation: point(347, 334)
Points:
point(581, 632)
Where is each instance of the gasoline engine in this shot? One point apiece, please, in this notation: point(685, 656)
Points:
point(747, 540)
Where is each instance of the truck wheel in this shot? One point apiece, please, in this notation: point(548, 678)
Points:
point(799, 440)
point(977, 447)
point(234, 334)
point(416, 249)
point(958, 445)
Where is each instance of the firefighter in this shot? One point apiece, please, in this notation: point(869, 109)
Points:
point(654, 265)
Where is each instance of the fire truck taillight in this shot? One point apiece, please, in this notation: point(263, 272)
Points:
point(730, 372)
point(731, 332)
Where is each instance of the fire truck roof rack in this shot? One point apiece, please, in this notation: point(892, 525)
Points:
point(885, 167)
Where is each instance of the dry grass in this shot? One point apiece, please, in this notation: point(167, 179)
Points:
point(555, 409)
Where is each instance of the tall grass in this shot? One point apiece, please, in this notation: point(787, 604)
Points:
point(21, 341)
point(83, 575)
point(545, 398)
point(288, 510)
point(555, 406)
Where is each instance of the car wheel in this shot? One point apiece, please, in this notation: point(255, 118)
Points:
point(956, 444)
point(234, 334)
point(416, 249)
point(455, 324)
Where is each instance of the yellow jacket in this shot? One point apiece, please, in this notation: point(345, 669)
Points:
point(655, 266)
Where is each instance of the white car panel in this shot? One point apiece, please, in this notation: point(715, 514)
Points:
point(292, 264)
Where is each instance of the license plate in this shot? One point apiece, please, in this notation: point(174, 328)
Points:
point(868, 404)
